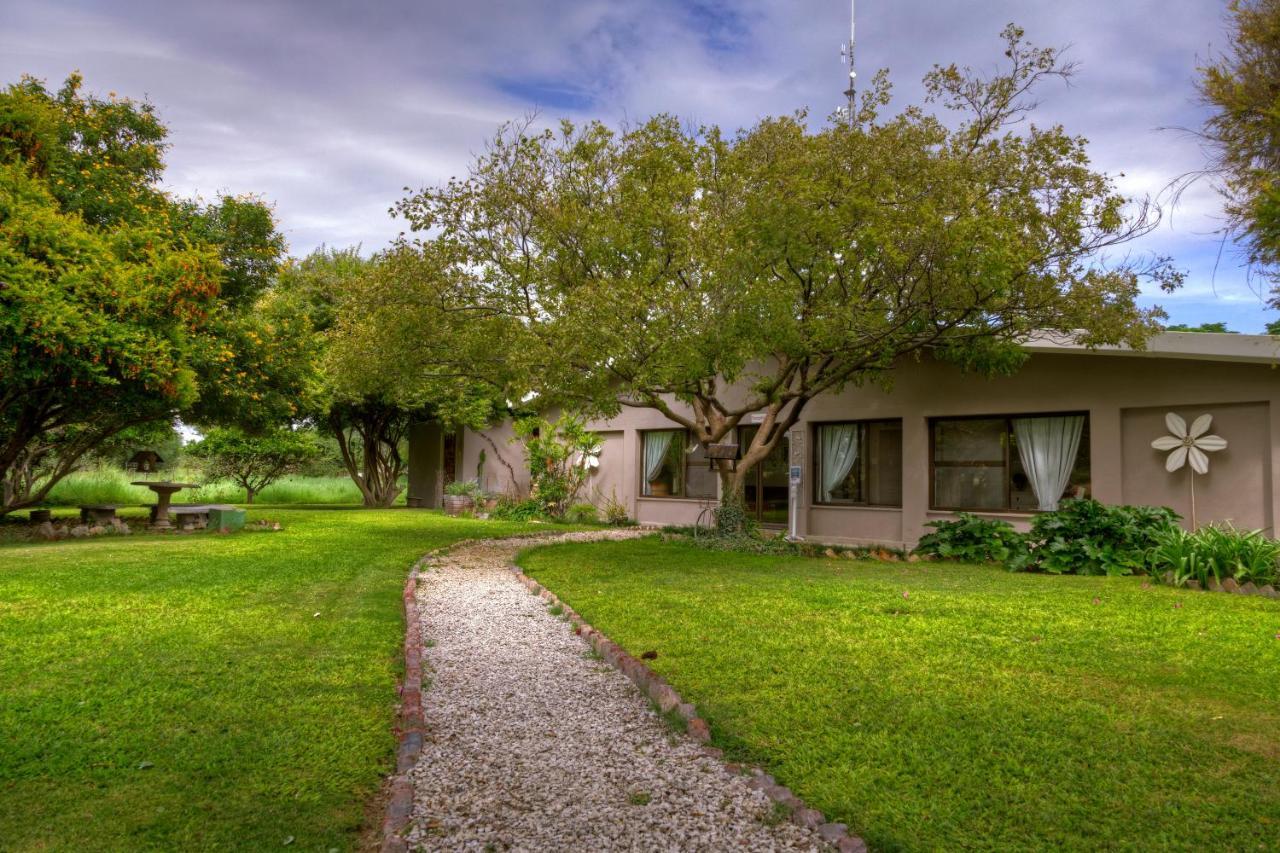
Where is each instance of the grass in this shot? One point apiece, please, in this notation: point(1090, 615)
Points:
point(945, 706)
point(205, 691)
point(113, 486)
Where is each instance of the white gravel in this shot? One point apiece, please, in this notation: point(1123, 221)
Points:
point(532, 744)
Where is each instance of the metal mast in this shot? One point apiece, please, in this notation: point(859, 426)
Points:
point(846, 51)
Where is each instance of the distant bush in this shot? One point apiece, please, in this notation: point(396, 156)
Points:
point(974, 540)
point(1086, 537)
point(1213, 553)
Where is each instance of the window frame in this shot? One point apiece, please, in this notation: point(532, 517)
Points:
point(1007, 464)
point(815, 462)
point(640, 481)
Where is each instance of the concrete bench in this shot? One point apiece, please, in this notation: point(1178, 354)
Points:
point(98, 513)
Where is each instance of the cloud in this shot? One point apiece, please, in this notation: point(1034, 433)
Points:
point(330, 109)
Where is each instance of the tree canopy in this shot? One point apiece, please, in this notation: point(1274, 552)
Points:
point(1243, 88)
point(750, 272)
point(254, 461)
point(113, 312)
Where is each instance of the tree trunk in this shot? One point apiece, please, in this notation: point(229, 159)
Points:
point(248, 494)
point(732, 518)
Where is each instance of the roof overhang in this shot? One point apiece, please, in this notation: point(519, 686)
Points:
point(1196, 346)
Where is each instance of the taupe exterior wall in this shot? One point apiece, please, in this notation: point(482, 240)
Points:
point(1125, 395)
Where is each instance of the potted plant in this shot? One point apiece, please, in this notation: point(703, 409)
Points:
point(459, 496)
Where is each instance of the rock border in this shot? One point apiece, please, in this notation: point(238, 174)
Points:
point(1231, 585)
point(669, 702)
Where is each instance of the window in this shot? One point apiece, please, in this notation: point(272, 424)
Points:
point(1021, 463)
point(858, 463)
point(672, 465)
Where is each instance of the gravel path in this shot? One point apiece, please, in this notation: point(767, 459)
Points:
point(533, 744)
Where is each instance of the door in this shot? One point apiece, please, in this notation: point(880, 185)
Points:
point(767, 490)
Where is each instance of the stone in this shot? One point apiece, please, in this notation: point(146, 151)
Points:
point(830, 552)
point(1214, 586)
point(686, 710)
point(1248, 588)
point(1230, 585)
point(79, 531)
point(851, 844)
point(831, 832)
point(97, 530)
point(1193, 584)
point(664, 696)
point(913, 558)
point(1269, 591)
point(808, 818)
point(46, 531)
point(699, 730)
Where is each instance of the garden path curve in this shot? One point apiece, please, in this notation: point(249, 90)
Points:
point(533, 743)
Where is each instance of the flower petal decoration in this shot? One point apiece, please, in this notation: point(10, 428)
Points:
point(1188, 445)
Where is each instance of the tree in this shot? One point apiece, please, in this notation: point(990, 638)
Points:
point(1219, 328)
point(751, 273)
point(360, 397)
point(254, 462)
point(1243, 89)
point(112, 313)
point(560, 456)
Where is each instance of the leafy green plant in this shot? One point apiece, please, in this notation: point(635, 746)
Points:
point(615, 512)
point(1215, 552)
point(974, 540)
point(582, 513)
point(511, 509)
point(560, 456)
point(1086, 537)
point(463, 488)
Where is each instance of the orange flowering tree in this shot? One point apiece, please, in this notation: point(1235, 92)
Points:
point(114, 313)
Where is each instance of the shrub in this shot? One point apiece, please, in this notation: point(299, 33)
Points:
point(560, 456)
point(582, 513)
point(1086, 537)
point(974, 540)
point(615, 512)
point(511, 509)
point(1214, 552)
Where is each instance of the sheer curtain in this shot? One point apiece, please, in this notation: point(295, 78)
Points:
point(656, 445)
point(839, 448)
point(1047, 448)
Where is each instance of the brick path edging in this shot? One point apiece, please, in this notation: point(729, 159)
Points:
point(668, 700)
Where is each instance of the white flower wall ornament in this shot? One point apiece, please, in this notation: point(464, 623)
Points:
point(1189, 445)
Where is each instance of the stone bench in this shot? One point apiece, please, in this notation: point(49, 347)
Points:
point(192, 516)
point(98, 513)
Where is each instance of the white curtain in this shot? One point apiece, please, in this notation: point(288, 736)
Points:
point(1048, 447)
point(839, 447)
point(656, 445)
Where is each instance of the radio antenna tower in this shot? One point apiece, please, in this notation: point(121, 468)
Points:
point(846, 54)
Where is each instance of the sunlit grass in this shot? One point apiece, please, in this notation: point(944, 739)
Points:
point(206, 691)
point(942, 706)
point(113, 486)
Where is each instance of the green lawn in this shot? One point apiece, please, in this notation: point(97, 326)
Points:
point(941, 706)
point(205, 691)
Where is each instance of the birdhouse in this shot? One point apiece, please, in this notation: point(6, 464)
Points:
point(144, 462)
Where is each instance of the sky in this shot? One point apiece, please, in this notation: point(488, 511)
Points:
point(330, 110)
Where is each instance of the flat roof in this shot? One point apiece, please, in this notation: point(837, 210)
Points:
point(1198, 346)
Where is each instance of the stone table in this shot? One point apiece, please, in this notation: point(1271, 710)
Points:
point(164, 491)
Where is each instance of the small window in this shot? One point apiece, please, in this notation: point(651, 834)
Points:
point(672, 465)
point(1023, 462)
point(858, 463)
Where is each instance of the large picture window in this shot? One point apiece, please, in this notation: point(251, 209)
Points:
point(1019, 462)
point(858, 463)
point(672, 465)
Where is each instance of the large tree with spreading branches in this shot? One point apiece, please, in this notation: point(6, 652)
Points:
point(711, 276)
point(122, 308)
